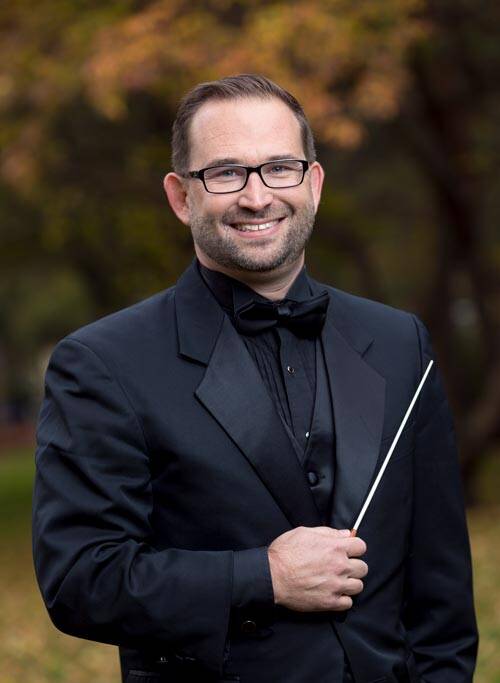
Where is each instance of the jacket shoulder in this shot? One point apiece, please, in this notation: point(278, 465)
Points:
point(369, 311)
point(392, 329)
point(371, 314)
point(134, 326)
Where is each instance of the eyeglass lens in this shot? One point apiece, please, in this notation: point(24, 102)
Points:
point(233, 178)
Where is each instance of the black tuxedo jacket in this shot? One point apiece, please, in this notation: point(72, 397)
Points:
point(161, 461)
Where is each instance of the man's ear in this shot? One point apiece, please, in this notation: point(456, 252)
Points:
point(317, 176)
point(177, 196)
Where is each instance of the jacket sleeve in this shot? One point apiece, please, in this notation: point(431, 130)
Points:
point(252, 581)
point(439, 611)
point(99, 572)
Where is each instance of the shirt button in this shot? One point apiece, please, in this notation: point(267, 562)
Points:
point(313, 478)
point(248, 626)
point(307, 435)
point(290, 369)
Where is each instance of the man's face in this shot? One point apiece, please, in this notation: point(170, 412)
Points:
point(249, 131)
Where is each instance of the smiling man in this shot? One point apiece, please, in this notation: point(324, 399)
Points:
point(203, 454)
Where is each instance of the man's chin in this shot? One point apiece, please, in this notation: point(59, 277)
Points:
point(261, 263)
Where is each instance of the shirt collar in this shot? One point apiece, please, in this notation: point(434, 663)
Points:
point(231, 293)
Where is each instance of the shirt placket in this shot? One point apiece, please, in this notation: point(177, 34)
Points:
point(297, 387)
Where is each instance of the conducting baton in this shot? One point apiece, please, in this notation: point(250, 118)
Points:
point(355, 528)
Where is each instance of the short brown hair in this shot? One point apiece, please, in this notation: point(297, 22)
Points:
point(231, 87)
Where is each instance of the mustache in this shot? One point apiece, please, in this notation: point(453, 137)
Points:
point(265, 216)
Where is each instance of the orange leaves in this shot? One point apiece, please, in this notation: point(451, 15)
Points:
point(164, 47)
point(345, 61)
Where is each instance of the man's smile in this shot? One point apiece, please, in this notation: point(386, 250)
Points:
point(252, 228)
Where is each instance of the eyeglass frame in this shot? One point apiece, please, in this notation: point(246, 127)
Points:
point(249, 169)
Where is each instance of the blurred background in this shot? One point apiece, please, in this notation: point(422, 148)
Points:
point(403, 96)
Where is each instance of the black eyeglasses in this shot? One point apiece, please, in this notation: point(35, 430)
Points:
point(233, 177)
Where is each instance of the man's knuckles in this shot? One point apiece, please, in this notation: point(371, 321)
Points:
point(353, 587)
point(340, 602)
point(336, 584)
point(339, 563)
point(358, 569)
point(355, 547)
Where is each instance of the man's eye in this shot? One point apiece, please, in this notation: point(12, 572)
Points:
point(224, 173)
point(278, 169)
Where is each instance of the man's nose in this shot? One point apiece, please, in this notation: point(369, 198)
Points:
point(255, 195)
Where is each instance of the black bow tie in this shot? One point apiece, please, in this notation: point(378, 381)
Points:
point(304, 318)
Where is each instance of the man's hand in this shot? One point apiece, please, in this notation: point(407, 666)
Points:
point(315, 568)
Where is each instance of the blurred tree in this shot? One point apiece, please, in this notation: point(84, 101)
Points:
point(402, 95)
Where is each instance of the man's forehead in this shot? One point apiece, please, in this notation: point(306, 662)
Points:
point(244, 129)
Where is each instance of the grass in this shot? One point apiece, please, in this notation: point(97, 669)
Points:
point(32, 650)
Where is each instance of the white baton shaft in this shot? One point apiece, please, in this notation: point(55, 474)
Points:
point(355, 528)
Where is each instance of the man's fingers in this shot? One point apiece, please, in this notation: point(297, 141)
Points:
point(355, 547)
point(357, 568)
point(353, 586)
point(342, 602)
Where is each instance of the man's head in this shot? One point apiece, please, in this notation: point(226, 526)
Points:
point(231, 88)
point(244, 120)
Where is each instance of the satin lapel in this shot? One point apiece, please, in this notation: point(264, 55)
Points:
point(233, 391)
point(358, 394)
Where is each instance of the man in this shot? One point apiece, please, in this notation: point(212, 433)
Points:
point(203, 454)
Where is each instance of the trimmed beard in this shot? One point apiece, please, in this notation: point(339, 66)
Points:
point(224, 249)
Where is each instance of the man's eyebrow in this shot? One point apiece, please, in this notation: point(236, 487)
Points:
point(232, 160)
point(222, 161)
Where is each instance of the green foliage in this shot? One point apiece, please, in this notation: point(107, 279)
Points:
point(17, 470)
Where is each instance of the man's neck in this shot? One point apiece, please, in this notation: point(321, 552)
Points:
point(273, 285)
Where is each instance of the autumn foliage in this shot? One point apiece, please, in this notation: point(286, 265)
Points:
point(402, 96)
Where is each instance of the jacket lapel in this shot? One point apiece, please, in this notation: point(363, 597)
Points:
point(358, 394)
point(233, 392)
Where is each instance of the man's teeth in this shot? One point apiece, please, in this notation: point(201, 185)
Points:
point(246, 227)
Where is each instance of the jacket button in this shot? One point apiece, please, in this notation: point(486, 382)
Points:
point(313, 478)
point(248, 626)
